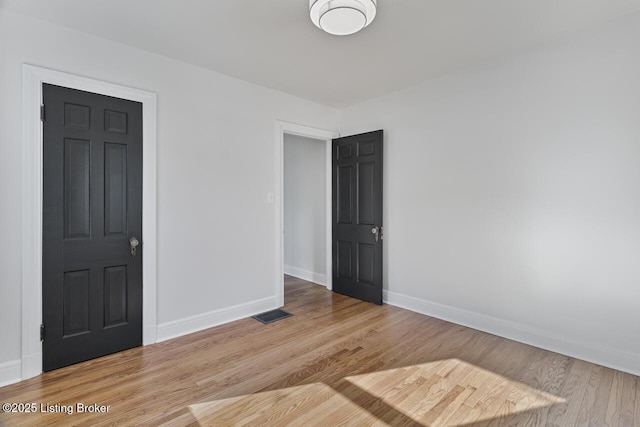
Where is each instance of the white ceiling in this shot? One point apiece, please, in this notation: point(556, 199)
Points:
point(273, 43)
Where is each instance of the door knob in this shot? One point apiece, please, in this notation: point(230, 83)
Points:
point(376, 232)
point(133, 243)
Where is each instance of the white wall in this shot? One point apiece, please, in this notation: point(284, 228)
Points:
point(216, 164)
point(305, 208)
point(512, 194)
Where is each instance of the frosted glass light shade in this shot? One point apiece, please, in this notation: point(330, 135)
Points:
point(342, 17)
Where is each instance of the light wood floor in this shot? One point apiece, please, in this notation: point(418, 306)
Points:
point(337, 361)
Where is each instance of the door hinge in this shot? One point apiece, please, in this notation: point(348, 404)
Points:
point(42, 113)
point(41, 333)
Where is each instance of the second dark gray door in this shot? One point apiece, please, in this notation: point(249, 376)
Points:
point(92, 198)
point(357, 216)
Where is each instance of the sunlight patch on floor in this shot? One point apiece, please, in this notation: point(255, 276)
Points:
point(442, 393)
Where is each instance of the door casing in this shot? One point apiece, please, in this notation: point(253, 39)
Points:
point(33, 78)
point(327, 136)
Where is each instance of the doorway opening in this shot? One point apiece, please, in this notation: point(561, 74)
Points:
point(353, 180)
point(304, 203)
point(309, 234)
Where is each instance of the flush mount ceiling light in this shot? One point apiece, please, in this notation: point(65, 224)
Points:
point(342, 17)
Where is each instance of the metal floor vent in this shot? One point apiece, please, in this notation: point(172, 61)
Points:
point(272, 316)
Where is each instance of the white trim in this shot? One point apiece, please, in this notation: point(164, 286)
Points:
point(283, 128)
point(605, 356)
point(10, 372)
point(32, 79)
point(309, 276)
point(188, 325)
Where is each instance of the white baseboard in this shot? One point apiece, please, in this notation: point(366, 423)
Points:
point(590, 352)
point(149, 335)
point(180, 327)
point(10, 372)
point(309, 276)
point(31, 365)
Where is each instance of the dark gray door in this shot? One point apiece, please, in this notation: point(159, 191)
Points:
point(357, 216)
point(92, 198)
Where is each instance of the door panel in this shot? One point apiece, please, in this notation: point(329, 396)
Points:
point(115, 189)
point(344, 188)
point(357, 210)
point(75, 303)
point(366, 263)
point(115, 296)
point(345, 270)
point(366, 193)
point(76, 188)
point(76, 116)
point(92, 198)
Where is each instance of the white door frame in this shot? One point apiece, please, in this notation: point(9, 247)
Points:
point(283, 128)
point(32, 79)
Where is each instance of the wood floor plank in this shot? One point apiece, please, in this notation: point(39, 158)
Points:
point(637, 416)
point(621, 408)
point(337, 361)
point(444, 418)
point(589, 396)
point(546, 375)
